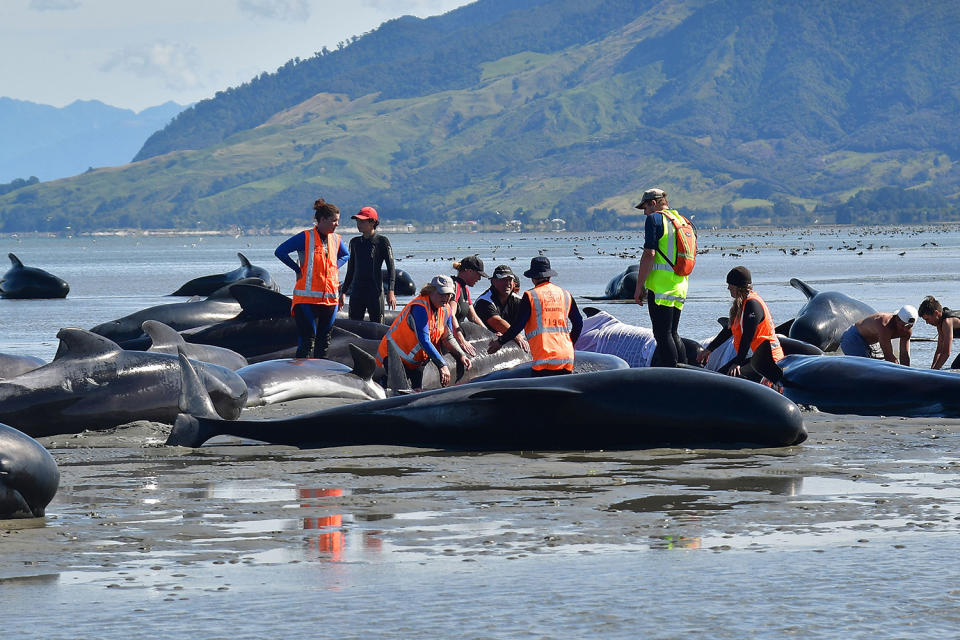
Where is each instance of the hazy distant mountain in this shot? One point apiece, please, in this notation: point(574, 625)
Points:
point(49, 142)
point(745, 112)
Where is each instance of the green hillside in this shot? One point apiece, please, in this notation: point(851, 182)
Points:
point(762, 112)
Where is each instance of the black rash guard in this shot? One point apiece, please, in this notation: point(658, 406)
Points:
point(752, 317)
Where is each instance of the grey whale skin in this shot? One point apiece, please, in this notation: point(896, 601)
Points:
point(94, 384)
point(868, 387)
point(31, 283)
point(824, 317)
point(206, 285)
point(601, 410)
point(29, 476)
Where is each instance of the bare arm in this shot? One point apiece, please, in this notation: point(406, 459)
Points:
point(886, 345)
point(905, 349)
point(944, 343)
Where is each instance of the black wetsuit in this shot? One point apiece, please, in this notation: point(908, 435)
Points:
point(949, 313)
point(764, 364)
point(367, 256)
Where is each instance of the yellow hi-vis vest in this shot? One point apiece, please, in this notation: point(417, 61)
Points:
point(669, 289)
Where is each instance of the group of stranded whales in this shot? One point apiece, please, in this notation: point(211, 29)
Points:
point(197, 364)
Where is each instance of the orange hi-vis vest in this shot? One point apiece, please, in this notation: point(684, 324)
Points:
point(404, 336)
point(319, 281)
point(765, 332)
point(548, 328)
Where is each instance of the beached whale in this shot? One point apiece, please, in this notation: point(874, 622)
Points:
point(292, 378)
point(583, 362)
point(825, 316)
point(621, 287)
point(864, 386)
point(94, 384)
point(206, 285)
point(29, 476)
point(164, 339)
point(601, 410)
point(30, 282)
point(219, 306)
point(13, 365)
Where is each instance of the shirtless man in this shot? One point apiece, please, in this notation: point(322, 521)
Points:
point(882, 328)
point(947, 322)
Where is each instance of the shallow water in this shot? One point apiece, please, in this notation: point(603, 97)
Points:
point(853, 533)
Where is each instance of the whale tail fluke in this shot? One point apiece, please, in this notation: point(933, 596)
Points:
point(195, 405)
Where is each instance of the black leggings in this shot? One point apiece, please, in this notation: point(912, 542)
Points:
point(366, 302)
point(314, 322)
point(665, 321)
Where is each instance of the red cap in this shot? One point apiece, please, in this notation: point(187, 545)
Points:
point(367, 213)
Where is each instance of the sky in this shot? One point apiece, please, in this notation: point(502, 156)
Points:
point(136, 54)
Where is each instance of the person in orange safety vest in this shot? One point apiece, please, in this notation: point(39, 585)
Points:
point(549, 317)
point(316, 295)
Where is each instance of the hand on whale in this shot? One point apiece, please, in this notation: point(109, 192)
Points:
point(29, 476)
point(599, 410)
point(824, 317)
point(30, 282)
point(206, 285)
point(94, 384)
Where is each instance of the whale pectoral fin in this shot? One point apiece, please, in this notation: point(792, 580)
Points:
point(784, 328)
point(527, 393)
point(397, 381)
point(364, 364)
point(12, 503)
point(194, 399)
point(803, 287)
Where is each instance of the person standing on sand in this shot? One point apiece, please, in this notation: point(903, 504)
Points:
point(315, 296)
point(947, 323)
point(657, 284)
point(368, 253)
point(881, 328)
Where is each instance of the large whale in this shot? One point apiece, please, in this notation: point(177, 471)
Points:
point(864, 386)
point(164, 339)
point(28, 475)
point(12, 364)
point(824, 317)
point(601, 410)
point(30, 282)
point(621, 286)
point(219, 306)
point(291, 378)
point(94, 384)
point(206, 285)
point(583, 362)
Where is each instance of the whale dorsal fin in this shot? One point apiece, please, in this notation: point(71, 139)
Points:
point(80, 343)
point(15, 260)
point(224, 291)
point(364, 364)
point(259, 302)
point(162, 336)
point(194, 399)
point(243, 260)
point(802, 286)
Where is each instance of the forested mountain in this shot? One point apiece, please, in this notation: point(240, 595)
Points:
point(531, 109)
point(56, 142)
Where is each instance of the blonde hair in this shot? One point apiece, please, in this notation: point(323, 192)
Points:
point(738, 300)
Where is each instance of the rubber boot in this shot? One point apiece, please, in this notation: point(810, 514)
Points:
point(305, 348)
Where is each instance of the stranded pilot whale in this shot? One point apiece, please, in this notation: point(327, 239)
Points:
point(94, 384)
point(825, 316)
point(28, 475)
point(621, 287)
point(30, 282)
point(600, 410)
point(206, 285)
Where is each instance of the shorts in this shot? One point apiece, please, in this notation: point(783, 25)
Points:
point(853, 344)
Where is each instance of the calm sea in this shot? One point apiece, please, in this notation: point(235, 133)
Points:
point(884, 267)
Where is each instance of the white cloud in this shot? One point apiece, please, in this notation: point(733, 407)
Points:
point(54, 5)
point(284, 10)
point(172, 62)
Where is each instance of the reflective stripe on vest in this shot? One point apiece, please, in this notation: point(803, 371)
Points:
point(319, 281)
point(668, 288)
point(548, 328)
point(404, 337)
point(766, 332)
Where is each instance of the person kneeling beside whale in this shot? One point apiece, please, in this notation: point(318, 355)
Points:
point(752, 328)
point(423, 325)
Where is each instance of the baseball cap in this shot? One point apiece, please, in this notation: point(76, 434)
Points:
point(443, 284)
point(367, 213)
point(475, 263)
point(503, 271)
point(651, 194)
point(907, 313)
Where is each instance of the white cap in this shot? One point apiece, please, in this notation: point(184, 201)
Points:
point(908, 314)
point(443, 284)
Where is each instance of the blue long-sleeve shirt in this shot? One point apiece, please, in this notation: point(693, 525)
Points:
point(422, 329)
point(296, 243)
